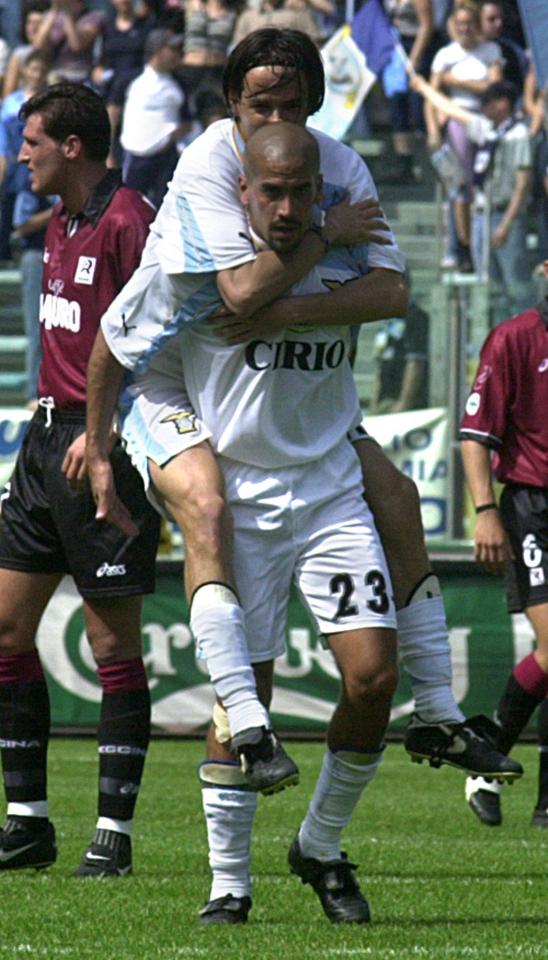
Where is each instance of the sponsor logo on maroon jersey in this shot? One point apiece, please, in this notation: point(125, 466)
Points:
point(59, 312)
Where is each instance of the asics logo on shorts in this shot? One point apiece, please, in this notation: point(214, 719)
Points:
point(543, 365)
point(106, 570)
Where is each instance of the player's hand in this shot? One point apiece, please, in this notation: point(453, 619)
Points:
point(109, 507)
point(491, 545)
point(363, 222)
point(74, 463)
point(267, 322)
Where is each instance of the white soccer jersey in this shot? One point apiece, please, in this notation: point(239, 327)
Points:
point(201, 227)
point(201, 224)
point(277, 402)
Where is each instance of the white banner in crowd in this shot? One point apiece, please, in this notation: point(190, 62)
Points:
point(347, 81)
point(417, 442)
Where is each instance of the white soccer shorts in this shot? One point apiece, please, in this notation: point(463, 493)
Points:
point(157, 422)
point(308, 524)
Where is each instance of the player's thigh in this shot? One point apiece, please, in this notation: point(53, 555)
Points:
point(158, 424)
point(190, 487)
point(104, 562)
point(23, 599)
point(367, 660)
point(113, 627)
point(263, 554)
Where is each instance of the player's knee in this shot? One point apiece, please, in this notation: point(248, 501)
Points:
point(203, 519)
point(372, 683)
point(107, 647)
point(12, 641)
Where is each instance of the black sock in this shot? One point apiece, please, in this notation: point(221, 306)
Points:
point(543, 755)
point(123, 735)
point(515, 707)
point(24, 737)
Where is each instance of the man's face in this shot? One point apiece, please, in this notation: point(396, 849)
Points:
point(44, 157)
point(35, 75)
point(491, 21)
point(264, 99)
point(279, 197)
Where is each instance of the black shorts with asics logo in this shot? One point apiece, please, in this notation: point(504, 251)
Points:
point(46, 527)
point(524, 513)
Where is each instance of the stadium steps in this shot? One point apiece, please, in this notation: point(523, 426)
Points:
point(12, 340)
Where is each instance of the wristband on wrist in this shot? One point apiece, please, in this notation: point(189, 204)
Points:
point(487, 506)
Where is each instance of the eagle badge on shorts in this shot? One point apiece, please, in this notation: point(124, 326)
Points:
point(184, 421)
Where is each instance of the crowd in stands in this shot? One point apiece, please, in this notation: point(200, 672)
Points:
point(159, 63)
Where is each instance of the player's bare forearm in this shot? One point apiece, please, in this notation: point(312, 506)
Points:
point(491, 546)
point(249, 287)
point(104, 380)
point(379, 295)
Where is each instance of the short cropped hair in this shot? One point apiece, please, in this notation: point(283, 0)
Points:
point(269, 47)
point(72, 108)
point(499, 89)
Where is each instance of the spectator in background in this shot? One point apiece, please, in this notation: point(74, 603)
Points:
point(209, 26)
point(502, 177)
point(463, 70)
point(277, 13)
point(413, 20)
point(401, 363)
point(68, 33)
point(35, 72)
point(515, 63)
point(535, 103)
point(121, 60)
point(33, 13)
point(31, 216)
point(155, 118)
point(4, 57)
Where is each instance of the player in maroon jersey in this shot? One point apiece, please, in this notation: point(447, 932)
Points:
point(507, 415)
point(48, 529)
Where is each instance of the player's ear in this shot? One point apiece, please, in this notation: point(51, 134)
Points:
point(71, 146)
point(242, 186)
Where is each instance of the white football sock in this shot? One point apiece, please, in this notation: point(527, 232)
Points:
point(426, 655)
point(117, 826)
point(343, 778)
point(229, 810)
point(217, 623)
point(30, 808)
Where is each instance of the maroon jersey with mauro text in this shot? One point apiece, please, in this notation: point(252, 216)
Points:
point(507, 408)
point(87, 261)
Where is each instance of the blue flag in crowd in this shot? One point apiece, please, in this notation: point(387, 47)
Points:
point(535, 25)
point(372, 33)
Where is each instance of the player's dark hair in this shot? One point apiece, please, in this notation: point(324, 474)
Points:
point(499, 89)
point(72, 108)
point(290, 49)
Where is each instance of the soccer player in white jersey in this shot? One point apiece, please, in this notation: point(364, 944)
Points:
point(272, 75)
point(279, 412)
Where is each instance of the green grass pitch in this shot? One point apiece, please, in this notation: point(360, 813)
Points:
point(439, 883)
